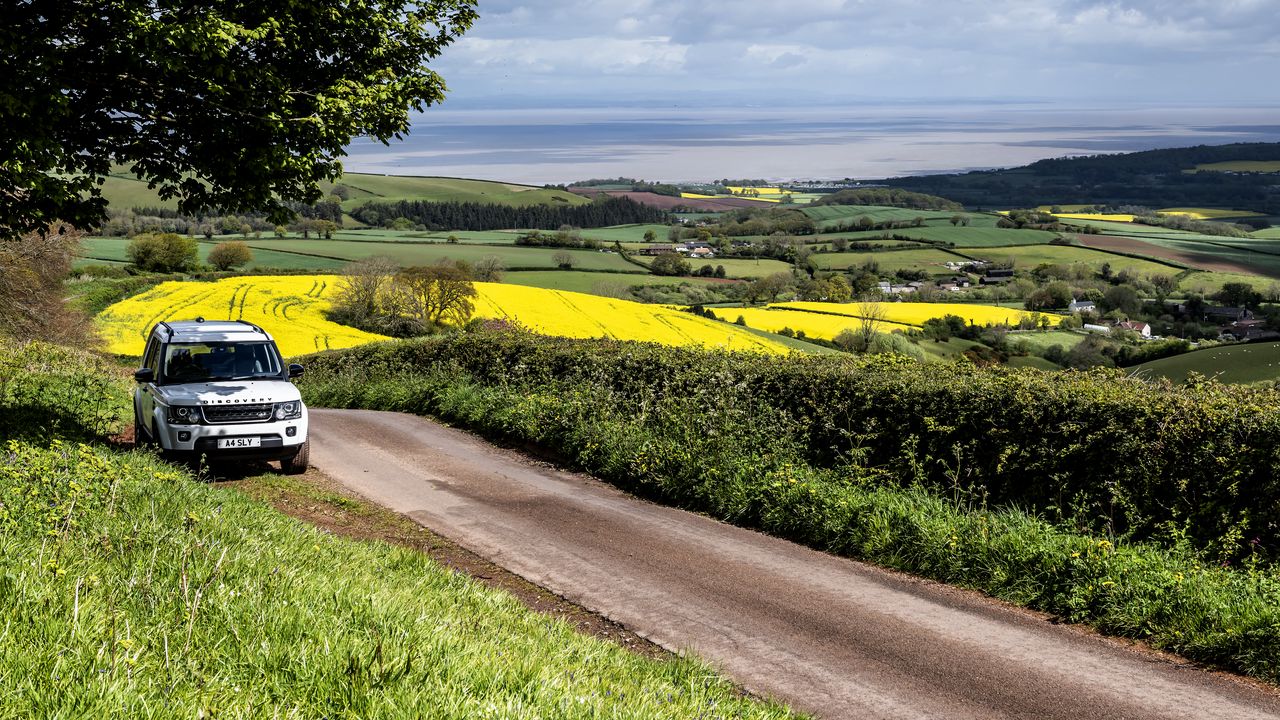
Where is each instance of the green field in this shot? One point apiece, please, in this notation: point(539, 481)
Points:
point(1040, 341)
point(1207, 283)
point(112, 250)
point(1108, 227)
point(961, 236)
point(831, 215)
point(736, 267)
point(1271, 233)
point(1250, 363)
point(1025, 258)
point(628, 233)
point(425, 254)
point(122, 190)
point(390, 188)
point(892, 261)
point(472, 237)
point(596, 283)
point(1260, 256)
point(1251, 166)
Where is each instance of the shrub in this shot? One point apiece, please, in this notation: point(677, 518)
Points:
point(226, 255)
point(163, 252)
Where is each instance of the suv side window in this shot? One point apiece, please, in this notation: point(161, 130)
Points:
point(151, 359)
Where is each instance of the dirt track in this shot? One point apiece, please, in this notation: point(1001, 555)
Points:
point(830, 636)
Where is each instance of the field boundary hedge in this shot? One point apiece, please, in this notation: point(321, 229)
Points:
point(723, 448)
point(1097, 450)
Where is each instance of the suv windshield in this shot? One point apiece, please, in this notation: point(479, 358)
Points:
point(210, 361)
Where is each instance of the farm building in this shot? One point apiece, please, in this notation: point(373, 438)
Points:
point(1141, 328)
point(1078, 306)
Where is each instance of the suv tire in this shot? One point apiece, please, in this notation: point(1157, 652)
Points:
point(297, 464)
point(140, 439)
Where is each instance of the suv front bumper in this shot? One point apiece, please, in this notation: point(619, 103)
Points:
point(276, 440)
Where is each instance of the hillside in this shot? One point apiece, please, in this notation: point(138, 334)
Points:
point(123, 191)
point(1193, 176)
point(1255, 362)
point(131, 588)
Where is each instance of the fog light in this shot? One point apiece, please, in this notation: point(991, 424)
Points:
point(291, 431)
point(184, 436)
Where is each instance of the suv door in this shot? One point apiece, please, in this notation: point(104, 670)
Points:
point(144, 401)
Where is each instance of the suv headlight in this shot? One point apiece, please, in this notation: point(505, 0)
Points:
point(288, 411)
point(184, 415)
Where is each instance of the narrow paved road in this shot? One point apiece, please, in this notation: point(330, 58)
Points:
point(830, 636)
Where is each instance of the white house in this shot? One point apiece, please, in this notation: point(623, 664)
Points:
point(1078, 306)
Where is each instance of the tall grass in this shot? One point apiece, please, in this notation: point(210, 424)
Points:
point(129, 590)
point(738, 456)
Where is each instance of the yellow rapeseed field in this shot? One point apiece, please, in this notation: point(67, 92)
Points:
point(814, 325)
point(909, 313)
point(1207, 213)
point(1110, 217)
point(756, 190)
point(571, 314)
point(289, 307)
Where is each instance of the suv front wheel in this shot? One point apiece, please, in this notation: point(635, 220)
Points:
point(297, 464)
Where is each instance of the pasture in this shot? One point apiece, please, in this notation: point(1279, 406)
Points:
point(364, 188)
point(628, 233)
point(407, 254)
point(1208, 283)
point(736, 267)
point(960, 236)
point(1250, 363)
point(929, 259)
point(1241, 166)
point(112, 250)
point(826, 216)
point(1034, 255)
point(1041, 340)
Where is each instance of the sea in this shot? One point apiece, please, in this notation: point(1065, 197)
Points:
point(859, 142)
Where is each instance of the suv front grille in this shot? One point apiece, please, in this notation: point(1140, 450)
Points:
point(222, 414)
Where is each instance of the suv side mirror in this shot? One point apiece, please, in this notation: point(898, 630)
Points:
point(295, 370)
point(144, 375)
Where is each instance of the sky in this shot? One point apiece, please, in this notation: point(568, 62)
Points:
point(616, 52)
point(560, 90)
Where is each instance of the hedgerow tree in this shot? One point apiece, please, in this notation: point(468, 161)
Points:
point(226, 255)
point(219, 104)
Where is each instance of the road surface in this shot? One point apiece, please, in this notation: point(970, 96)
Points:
point(829, 636)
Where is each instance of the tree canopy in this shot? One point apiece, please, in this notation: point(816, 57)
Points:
point(219, 104)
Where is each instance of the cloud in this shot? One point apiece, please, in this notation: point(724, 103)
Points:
point(1140, 49)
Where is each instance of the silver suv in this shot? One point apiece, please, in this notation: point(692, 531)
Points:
point(219, 390)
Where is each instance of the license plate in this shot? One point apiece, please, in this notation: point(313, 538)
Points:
point(252, 442)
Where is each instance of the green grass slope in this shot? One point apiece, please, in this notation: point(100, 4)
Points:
point(123, 191)
point(1251, 363)
point(129, 589)
point(390, 188)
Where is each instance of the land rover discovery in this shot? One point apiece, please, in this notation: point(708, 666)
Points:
point(219, 390)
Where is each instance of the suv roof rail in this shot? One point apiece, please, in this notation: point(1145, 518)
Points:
point(165, 325)
point(255, 327)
